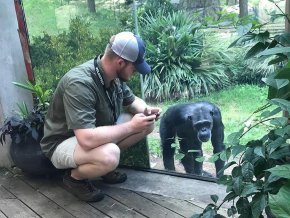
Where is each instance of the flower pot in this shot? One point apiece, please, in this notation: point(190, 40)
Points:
point(27, 155)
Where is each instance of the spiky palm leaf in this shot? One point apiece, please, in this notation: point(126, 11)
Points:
point(175, 47)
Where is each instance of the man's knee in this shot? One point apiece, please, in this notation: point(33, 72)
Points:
point(109, 157)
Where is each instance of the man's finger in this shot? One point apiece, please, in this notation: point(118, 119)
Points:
point(150, 117)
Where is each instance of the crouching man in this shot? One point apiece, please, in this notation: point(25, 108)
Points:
point(84, 132)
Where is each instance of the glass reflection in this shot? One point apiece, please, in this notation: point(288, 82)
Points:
point(190, 65)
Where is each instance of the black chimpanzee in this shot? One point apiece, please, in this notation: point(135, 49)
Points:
point(193, 124)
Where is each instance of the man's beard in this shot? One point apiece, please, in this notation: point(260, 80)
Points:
point(121, 77)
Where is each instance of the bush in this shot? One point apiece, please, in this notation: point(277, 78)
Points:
point(52, 56)
point(175, 47)
point(250, 71)
point(153, 7)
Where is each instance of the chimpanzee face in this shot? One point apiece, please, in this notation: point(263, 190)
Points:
point(202, 128)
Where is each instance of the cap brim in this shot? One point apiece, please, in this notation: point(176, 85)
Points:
point(143, 68)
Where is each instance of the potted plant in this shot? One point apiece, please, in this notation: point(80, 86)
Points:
point(26, 130)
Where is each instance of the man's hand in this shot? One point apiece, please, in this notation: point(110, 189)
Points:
point(140, 122)
point(153, 110)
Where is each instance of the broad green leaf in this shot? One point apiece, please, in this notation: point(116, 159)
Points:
point(200, 159)
point(276, 83)
point(260, 151)
point(283, 73)
point(234, 42)
point(273, 51)
point(243, 207)
point(272, 178)
point(262, 36)
point(281, 171)
point(273, 43)
point(280, 58)
point(280, 153)
point(223, 156)
point(275, 144)
point(228, 165)
point(237, 149)
point(257, 48)
point(230, 196)
point(283, 38)
point(284, 104)
point(243, 39)
point(283, 131)
point(179, 156)
point(209, 214)
point(279, 121)
point(244, 29)
point(237, 171)
point(214, 158)
point(238, 185)
point(247, 171)
point(267, 114)
point(214, 198)
point(233, 138)
point(248, 189)
point(258, 204)
point(279, 203)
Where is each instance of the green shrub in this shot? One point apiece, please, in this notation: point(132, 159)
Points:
point(52, 56)
point(153, 7)
point(175, 49)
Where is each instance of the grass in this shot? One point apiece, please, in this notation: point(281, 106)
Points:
point(236, 105)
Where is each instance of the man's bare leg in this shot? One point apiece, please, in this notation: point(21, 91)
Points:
point(95, 162)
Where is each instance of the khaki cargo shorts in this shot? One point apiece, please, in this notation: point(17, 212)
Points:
point(63, 156)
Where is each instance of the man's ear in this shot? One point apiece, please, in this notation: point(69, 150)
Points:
point(121, 62)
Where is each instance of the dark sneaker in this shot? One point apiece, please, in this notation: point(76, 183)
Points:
point(114, 177)
point(83, 189)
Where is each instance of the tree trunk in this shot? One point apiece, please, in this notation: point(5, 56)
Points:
point(91, 6)
point(243, 4)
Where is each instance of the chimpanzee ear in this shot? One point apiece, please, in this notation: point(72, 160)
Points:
point(189, 117)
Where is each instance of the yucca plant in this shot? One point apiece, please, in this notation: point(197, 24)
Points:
point(175, 44)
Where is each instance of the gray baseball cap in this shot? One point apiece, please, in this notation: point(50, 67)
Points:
point(131, 47)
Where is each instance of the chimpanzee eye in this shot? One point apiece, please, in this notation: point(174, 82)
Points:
point(211, 113)
point(189, 117)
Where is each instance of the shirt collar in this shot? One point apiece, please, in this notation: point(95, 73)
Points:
point(100, 66)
